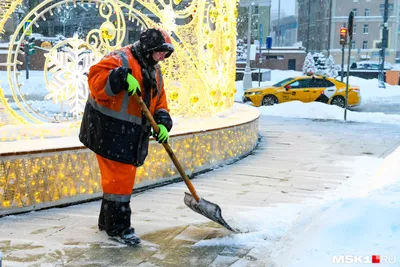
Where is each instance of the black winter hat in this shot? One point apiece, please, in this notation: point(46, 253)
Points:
point(156, 40)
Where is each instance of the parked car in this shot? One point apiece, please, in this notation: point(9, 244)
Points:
point(370, 65)
point(306, 89)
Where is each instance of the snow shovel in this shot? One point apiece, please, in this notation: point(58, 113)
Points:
point(193, 201)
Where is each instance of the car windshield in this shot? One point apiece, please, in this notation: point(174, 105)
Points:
point(283, 82)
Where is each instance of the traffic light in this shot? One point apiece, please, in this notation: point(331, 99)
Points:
point(22, 48)
point(31, 45)
point(343, 36)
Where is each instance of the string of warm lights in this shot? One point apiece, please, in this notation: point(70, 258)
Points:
point(7, 115)
point(199, 77)
point(47, 177)
point(7, 7)
point(199, 80)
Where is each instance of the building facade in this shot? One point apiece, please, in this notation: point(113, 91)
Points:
point(319, 23)
point(367, 30)
point(314, 22)
point(261, 15)
point(284, 31)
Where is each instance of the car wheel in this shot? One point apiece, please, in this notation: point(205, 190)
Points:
point(269, 100)
point(338, 101)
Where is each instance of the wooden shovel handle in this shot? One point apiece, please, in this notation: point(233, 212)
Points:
point(167, 147)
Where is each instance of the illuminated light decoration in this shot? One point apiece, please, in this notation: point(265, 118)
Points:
point(108, 31)
point(201, 25)
point(199, 79)
point(194, 99)
point(168, 18)
point(48, 178)
point(174, 96)
point(7, 7)
point(68, 82)
point(7, 115)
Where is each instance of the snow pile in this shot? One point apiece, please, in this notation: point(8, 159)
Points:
point(353, 226)
point(359, 219)
point(317, 110)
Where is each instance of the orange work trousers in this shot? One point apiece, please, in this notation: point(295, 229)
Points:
point(116, 177)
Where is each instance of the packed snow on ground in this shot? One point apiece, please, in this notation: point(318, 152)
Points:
point(317, 110)
point(356, 221)
point(351, 224)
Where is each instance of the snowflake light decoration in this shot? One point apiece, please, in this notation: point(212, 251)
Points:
point(199, 77)
point(168, 18)
point(68, 63)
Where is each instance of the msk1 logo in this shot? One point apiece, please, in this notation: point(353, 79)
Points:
point(352, 259)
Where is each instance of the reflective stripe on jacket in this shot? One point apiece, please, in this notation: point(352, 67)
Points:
point(113, 125)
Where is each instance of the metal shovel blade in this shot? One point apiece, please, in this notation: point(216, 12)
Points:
point(208, 209)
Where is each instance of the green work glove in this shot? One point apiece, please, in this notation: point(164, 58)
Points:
point(134, 87)
point(163, 135)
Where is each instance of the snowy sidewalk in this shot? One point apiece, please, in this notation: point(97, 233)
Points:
point(297, 160)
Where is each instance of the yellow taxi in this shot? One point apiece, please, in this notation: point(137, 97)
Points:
point(306, 89)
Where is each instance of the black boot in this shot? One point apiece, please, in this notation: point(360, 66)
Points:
point(101, 222)
point(127, 237)
point(117, 222)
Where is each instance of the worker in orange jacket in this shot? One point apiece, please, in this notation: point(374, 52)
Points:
point(114, 127)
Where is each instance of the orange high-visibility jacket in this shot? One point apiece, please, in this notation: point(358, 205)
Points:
point(98, 76)
point(113, 125)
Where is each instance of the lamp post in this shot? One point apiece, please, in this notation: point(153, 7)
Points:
point(329, 29)
point(350, 26)
point(247, 80)
point(308, 27)
point(384, 44)
point(279, 24)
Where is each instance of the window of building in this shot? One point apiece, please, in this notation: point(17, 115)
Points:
point(278, 57)
point(365, 28)
point(255, 9)
point(355, 11)
point(366, 12)
point(353, 44)
point(365, 45)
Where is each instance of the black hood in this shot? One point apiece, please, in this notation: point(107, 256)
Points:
point(153, 40)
